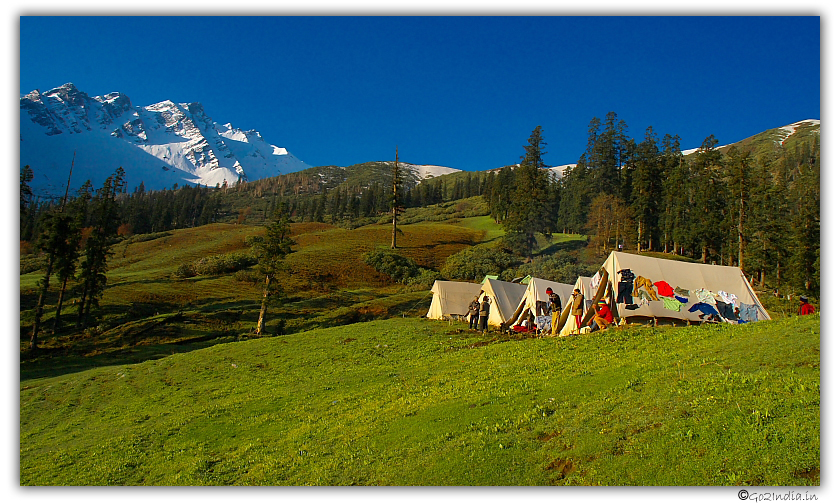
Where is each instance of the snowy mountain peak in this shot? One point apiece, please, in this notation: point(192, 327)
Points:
point(159, 144)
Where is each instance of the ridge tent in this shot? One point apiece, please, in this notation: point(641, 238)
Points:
point(592, 289)
point(451, 298)
point(534, 293)
point(699, 283)
point(504, 298)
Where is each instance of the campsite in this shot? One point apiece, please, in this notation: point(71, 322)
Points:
point(649, 316)
point(405, 399)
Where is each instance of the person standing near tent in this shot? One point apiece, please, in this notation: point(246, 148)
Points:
point(472, 310)
point(484, 314)
point(555, 305)
point(603, 317)
point(577, 307)
point(804, 307)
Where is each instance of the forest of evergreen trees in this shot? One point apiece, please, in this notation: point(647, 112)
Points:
point(759, 211)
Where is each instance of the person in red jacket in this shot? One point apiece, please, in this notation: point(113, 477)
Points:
point(603, 316)
point(805, 307)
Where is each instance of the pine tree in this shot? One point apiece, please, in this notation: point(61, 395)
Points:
point(805, 223)
point(105, 221)
point(271, 250)
point(26, 176)
point(52, 242)
point(739, 167)
point(765, 224)
point(533, 204)
point(65, 266)
point(576, 195)
point(707, 209)
point(397, 205)
point(646, 183)
point(609, 218)
point(501, 194)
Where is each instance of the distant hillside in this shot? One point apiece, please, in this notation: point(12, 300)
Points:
point(771, 142)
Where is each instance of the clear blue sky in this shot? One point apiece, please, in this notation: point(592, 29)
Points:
point(463, 92)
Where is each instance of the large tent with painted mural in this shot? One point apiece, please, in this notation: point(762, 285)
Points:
point(451, 299)
point(535, 301)
point(644, 289)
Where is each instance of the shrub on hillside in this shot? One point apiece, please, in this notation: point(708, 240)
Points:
point(216, 264)
point(32, 264)
point(475, 263)
point(425, 278)
point(399, 268)
point(185, 271)
point(223, 264)
point(560, 267)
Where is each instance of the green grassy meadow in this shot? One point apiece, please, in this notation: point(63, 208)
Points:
point(172, 387)
point(408, 401)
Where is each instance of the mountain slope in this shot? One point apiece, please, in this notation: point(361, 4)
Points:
point(772, 139)
point(158, 145)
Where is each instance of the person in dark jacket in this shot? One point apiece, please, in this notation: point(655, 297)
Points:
point(472, 310)
point(555, 305)
point(484, 314)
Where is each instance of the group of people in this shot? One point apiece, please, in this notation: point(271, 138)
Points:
point(479, 312)
point(603, 314)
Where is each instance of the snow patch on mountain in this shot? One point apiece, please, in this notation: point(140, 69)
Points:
point(560, 171)
point(424, 171)
point(787, 131)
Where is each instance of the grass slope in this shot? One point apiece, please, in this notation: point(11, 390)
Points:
point(149, 313)
point(408, 401)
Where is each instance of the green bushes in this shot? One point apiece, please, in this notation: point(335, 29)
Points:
point(561, 267)
point(32, 263)
point(215, 265)
point(474, 263)
point(400, 269)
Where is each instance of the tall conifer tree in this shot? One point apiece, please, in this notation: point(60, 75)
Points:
point(533, 205)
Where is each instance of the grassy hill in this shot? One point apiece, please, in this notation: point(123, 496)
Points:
point(408, 401)
point(150, 312)
point(171, 388)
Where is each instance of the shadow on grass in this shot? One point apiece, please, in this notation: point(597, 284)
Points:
point(45, 363)
point(568, 246)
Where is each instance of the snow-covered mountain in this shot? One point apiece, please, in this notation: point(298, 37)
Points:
point(159, 145)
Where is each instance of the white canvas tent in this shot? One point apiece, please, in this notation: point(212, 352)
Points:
point(534, 293)
point(451, 298)
point(684, 275)
point(504, 299)
point(592, 289)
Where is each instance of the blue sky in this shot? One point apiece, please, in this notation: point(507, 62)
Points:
point(463, 92)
